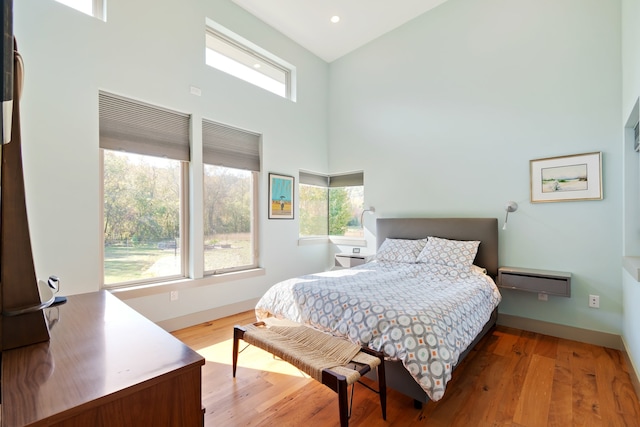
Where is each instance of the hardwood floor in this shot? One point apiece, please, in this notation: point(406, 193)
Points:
point(511, 378)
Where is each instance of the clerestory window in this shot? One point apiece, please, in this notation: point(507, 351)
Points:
point(234, 55)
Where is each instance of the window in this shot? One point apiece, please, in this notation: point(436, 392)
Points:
point(145, 152)
point(331, 205)
point(234, 55)
point(232, 164)
point(90, 7)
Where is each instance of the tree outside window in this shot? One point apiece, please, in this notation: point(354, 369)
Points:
point(142, 197)
point(329, 210)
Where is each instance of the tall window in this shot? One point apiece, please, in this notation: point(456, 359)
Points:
point(145, 160)
point(331, 205)
point(234, 55)
point(94, 8)
point(232, 164)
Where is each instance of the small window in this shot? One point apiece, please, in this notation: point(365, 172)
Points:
point(90, 7)
point(233, 55)
point(331, 205)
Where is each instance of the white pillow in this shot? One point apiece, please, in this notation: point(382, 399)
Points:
point(400, 250)
point(453, 253)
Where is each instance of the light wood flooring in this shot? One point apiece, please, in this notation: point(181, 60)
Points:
point(511, 378)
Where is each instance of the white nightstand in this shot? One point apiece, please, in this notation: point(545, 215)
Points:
point(346, 260)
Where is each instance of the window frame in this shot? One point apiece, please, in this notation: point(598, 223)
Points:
point(235, 148)
point(184, 233)
point(261, 55)
point(304, 240)
point(255, 175)
point(98, 9)
point(149, 130)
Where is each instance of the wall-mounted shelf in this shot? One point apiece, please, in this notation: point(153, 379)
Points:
point(351, 260)
point(538, 281)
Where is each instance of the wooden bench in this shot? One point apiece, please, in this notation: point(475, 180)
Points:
point(334, 362)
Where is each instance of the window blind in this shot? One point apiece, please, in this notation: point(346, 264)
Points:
point(137, 127)
point(314, 179)
point(344, 180)
point(347, 180)
point(230, 147)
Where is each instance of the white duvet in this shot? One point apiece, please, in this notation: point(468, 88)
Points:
point(425, 315)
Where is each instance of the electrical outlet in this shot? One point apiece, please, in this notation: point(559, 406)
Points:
point(594, 301)
point(543, 297)
point(174, 295)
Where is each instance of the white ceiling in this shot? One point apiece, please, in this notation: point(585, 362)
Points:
point(308, 21)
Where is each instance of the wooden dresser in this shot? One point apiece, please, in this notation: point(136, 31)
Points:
point(105, 365)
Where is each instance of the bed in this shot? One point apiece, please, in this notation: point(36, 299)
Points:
point(424, 302)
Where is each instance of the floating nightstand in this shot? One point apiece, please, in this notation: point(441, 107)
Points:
point(346, 260)
point(538, 281)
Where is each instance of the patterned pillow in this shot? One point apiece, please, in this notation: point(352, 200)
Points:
point(453, 253)
point(400, 250)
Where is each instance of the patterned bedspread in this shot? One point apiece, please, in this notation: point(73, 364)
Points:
point(422, 314)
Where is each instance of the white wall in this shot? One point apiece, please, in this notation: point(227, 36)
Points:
point(444, 114)
point(631, 205)
point(153, 51)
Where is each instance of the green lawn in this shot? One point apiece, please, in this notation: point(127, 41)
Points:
point(232, 253)
point(145, 261)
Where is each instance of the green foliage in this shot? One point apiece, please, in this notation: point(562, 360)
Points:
point(141, 199)
point(339, 211)
point(325, 211)
point(227, 200)
point(313, 210)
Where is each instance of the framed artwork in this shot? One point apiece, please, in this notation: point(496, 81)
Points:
point(566, 178)
point(280, 196)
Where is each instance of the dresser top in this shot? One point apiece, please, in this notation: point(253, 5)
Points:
point(99, 346)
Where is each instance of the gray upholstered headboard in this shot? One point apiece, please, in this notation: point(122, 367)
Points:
point(483, 229)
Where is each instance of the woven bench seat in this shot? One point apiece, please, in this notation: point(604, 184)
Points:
point(332, 361)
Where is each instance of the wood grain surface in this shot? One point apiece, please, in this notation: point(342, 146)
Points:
point(512, 378)
point(105, 365)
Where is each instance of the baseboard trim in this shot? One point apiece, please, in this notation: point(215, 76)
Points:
point(633, 371)
point(181, 322)
point(603, 339)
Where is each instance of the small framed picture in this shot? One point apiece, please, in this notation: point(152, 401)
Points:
point(566, 178)
point(356, 250)
point(280, 196)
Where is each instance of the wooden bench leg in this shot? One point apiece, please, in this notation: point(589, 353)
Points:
point(382, 380)
point(343, 402)
point(238, 334)
point(382, 388)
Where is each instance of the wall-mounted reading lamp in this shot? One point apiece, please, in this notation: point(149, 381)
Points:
point(371, 209)
point(511, 206)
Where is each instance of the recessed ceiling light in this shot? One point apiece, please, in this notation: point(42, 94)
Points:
point(335, 19)
point(256, 65)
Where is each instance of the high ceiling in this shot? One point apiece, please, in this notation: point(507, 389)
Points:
point(308, 22)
